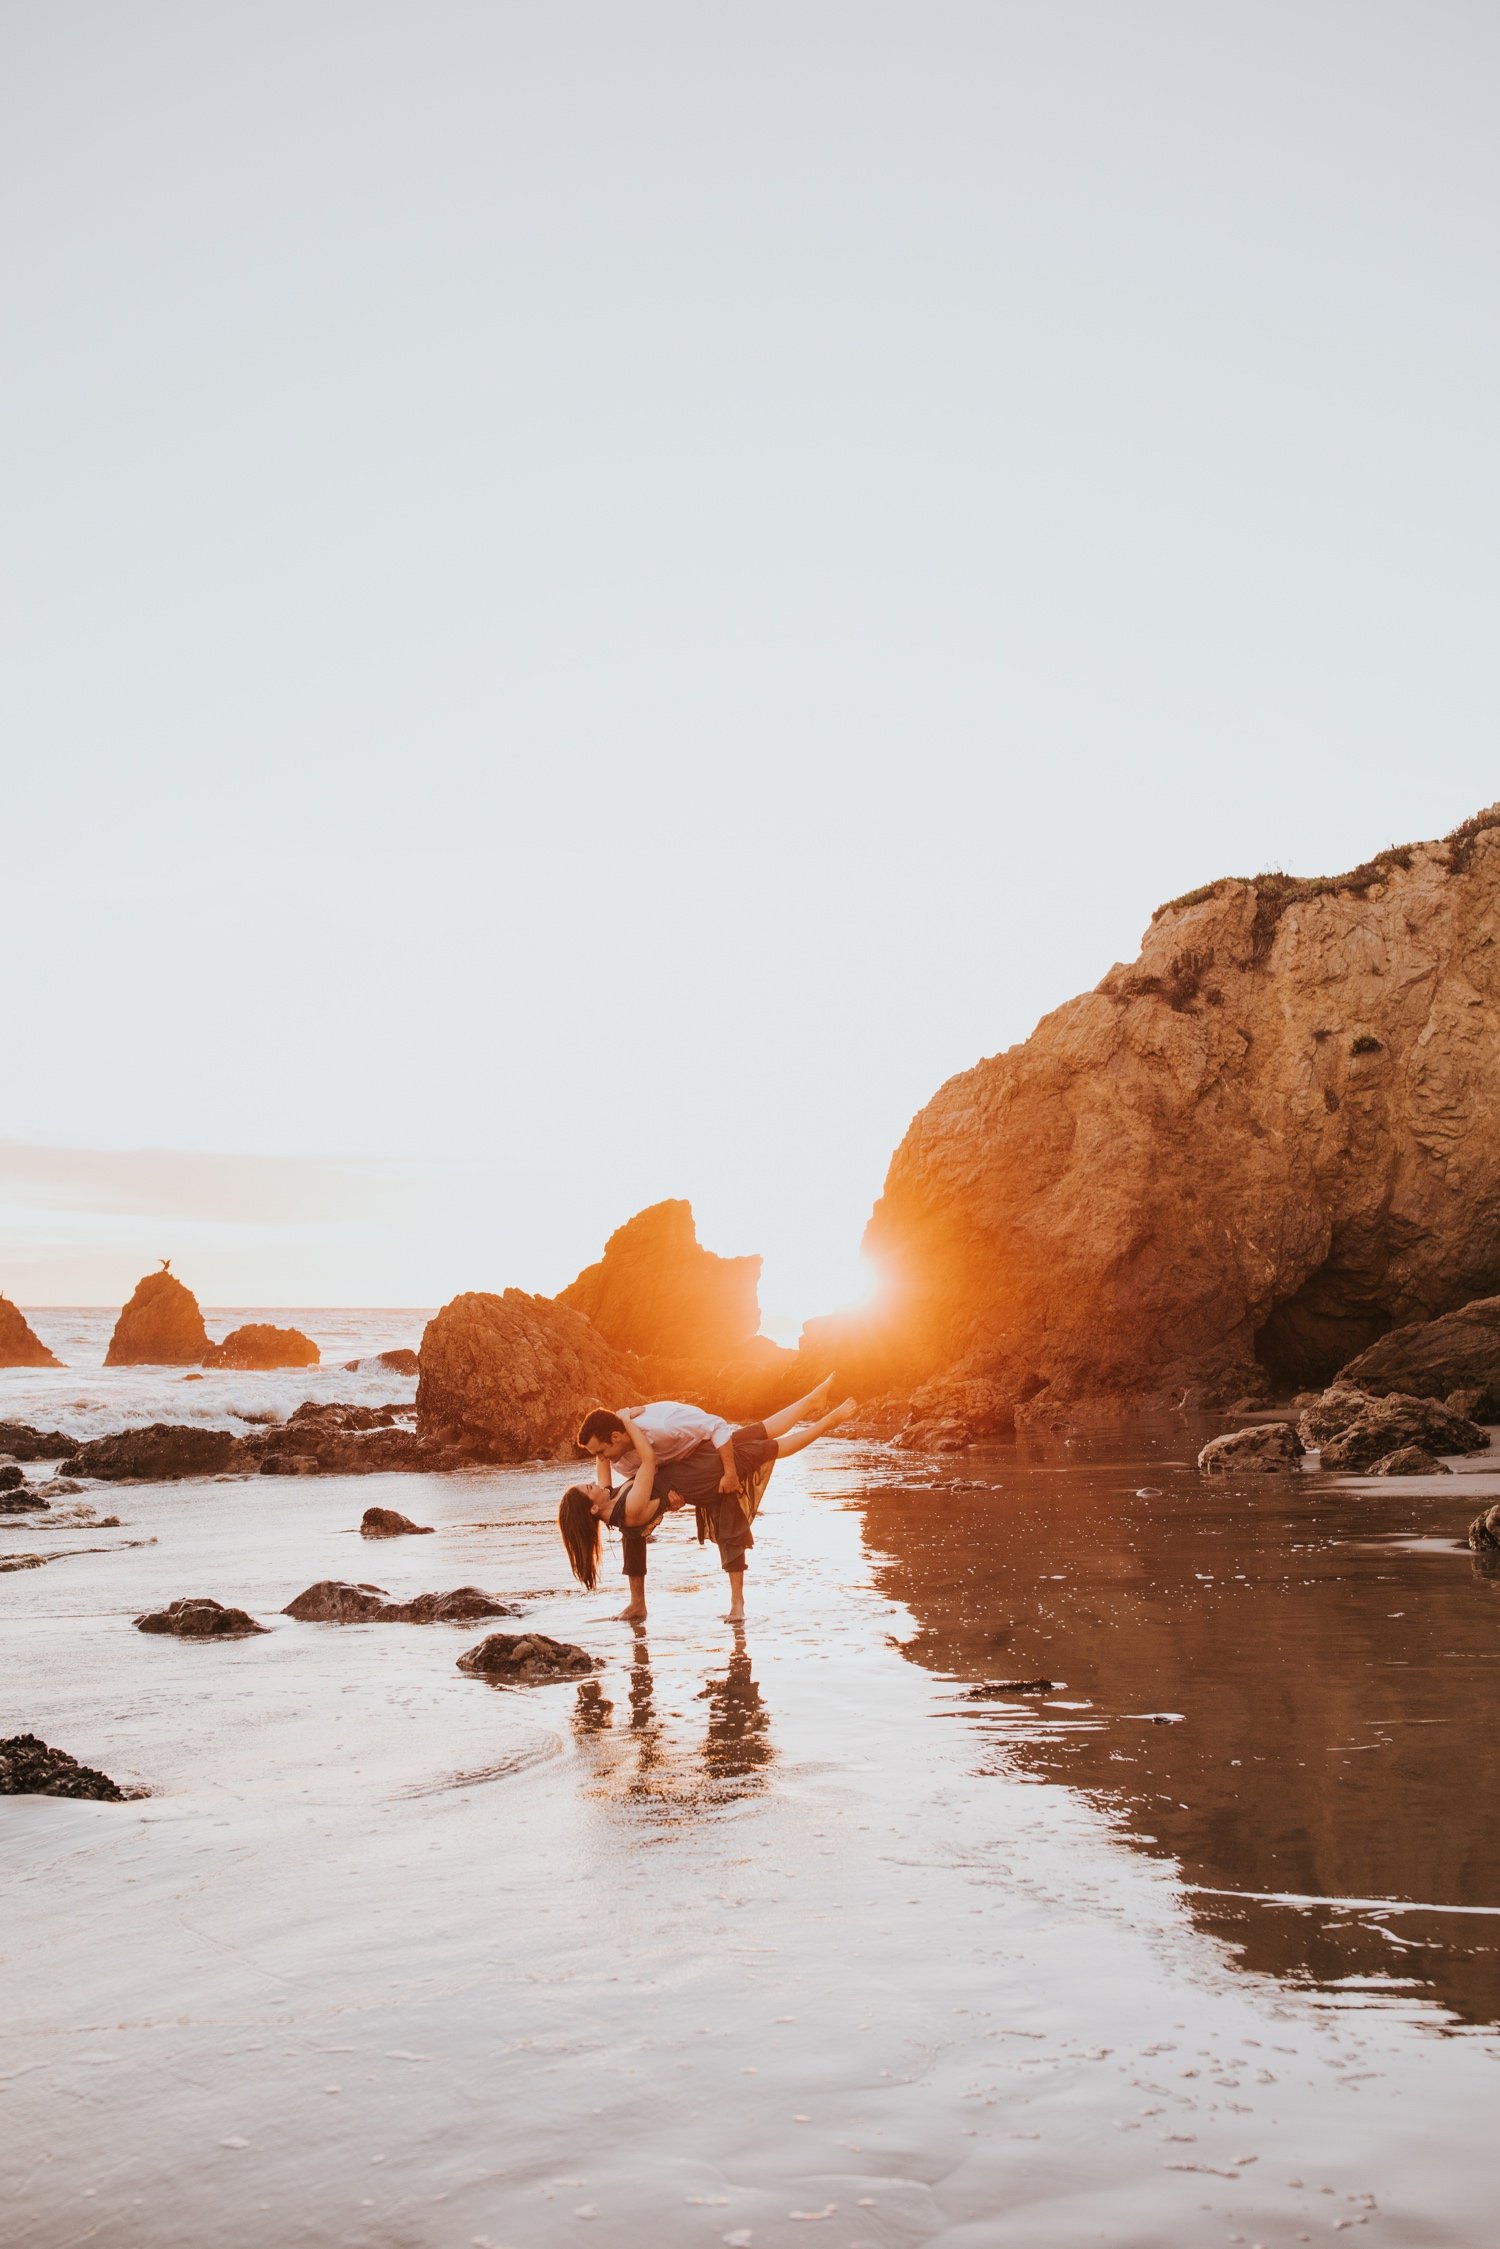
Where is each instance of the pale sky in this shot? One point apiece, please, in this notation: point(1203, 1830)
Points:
point(596, 597)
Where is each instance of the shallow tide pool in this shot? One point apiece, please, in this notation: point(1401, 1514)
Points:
point(824, 1931)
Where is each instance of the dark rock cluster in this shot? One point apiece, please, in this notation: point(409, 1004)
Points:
point(29, 1768)
point(336, 1601)
point(526, 1659)
point(199, 1619)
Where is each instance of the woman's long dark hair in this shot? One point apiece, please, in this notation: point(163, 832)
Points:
point(582, 1534)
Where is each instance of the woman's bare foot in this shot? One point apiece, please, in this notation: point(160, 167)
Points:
point(635, 1614)
point(844, 1412)
point(817, 1400)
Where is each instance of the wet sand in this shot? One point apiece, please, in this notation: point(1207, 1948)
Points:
point(777, 1932)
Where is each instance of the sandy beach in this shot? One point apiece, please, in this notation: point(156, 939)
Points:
point(821, 1926)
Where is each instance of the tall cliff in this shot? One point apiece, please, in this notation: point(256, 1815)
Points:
point(1243, 1157)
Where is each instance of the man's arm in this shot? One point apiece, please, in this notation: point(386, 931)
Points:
point(730, 1480)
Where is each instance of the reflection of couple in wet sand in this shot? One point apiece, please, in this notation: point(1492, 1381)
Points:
point(674, 1456)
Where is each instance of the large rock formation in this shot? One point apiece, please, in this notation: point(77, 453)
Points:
point(19, 1346)
point(1460, 1351)
point(1236, 1163)
point(510, 1377)
point(261, 1346)
point(161, 1326)
point(657, 1292)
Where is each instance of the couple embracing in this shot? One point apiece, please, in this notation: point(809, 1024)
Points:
point(672, 1456)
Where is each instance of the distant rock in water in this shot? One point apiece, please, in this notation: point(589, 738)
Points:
point(1245, 1156)
point(19, 1441)
point(1270, 1447)
point(1459, 1351)
point(200, 1619)
point(19, 1346)
point(1411, 1460)
point(1386, 1425)
point(157, 1454)
point(507, 1378)
point(335, 1601)
point(161, 1326)
point(29, 1768)
point(264, 1347)
point(384, 1522)
point(526, 1659)
point(12, 1476)
point(393, 1362)
point(1484, 1535)
point(334, 1439)
point(657, 1292)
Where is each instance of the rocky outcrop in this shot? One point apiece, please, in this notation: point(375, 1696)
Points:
point(29, 1768)
point(264, 1347)
point(160, 1453)
point(1459, 1351)
point(1386, 1425)
point(333, 1601)
point(1411, 1460)
point(19, 1441)
point(200, 1619)
point(508, 1378)
point(161, 1326)
point(1268, 1448)
point(526, 1659)
point(19, 1346)
point(343, 1440)
point(384, 1522)
point(1241, 1159)
point(658, 1293)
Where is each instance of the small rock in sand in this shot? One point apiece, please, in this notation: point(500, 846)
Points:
point(1410, 1460)
point(334, 1601)
point(1484, 1534)
point(200, 1619)
point(1270, 1448)
point(526, 1659)
point(29, 1768)
point(384, 1522)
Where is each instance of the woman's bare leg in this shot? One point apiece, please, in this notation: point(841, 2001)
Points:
point(777, 1424)
point(802, 1438)
point(635, 1610)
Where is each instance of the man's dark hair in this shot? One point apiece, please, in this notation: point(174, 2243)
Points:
point(600, 1424)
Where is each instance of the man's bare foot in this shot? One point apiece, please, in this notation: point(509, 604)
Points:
point(735, 1616)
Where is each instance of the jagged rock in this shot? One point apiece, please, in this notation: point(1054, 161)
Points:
point(1269, 1448)
point(200, 1619)
point(343, 1440)
point(18, 1441)
point(1484, 1533)
point(161, 1326)
point(1249, 1153)
point(526, 1659)
point(1473, 1405)
point(333, 1601)
point(384, 1522)
point(510, 1377)
point(1385, 1425)
point(394, 1362)
point(657, 1292)
point(264, 1347)
point(29, 1768)
point(1330, 1415)
point(11, 1477)
point(161, 1453)
point(1410, 1460)
point(19, 1346)
point(1460, 1351)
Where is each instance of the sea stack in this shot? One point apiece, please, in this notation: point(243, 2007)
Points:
point(161, 1326)
point(19, 1346)
point(1235, 1164)
point(656, 1290)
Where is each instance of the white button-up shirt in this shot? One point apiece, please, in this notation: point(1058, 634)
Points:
point(672, 1431)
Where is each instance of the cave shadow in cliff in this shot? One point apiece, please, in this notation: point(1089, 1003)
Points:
point(1333, 1316)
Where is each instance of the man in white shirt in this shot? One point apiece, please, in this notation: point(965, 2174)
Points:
point(670, 1431)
